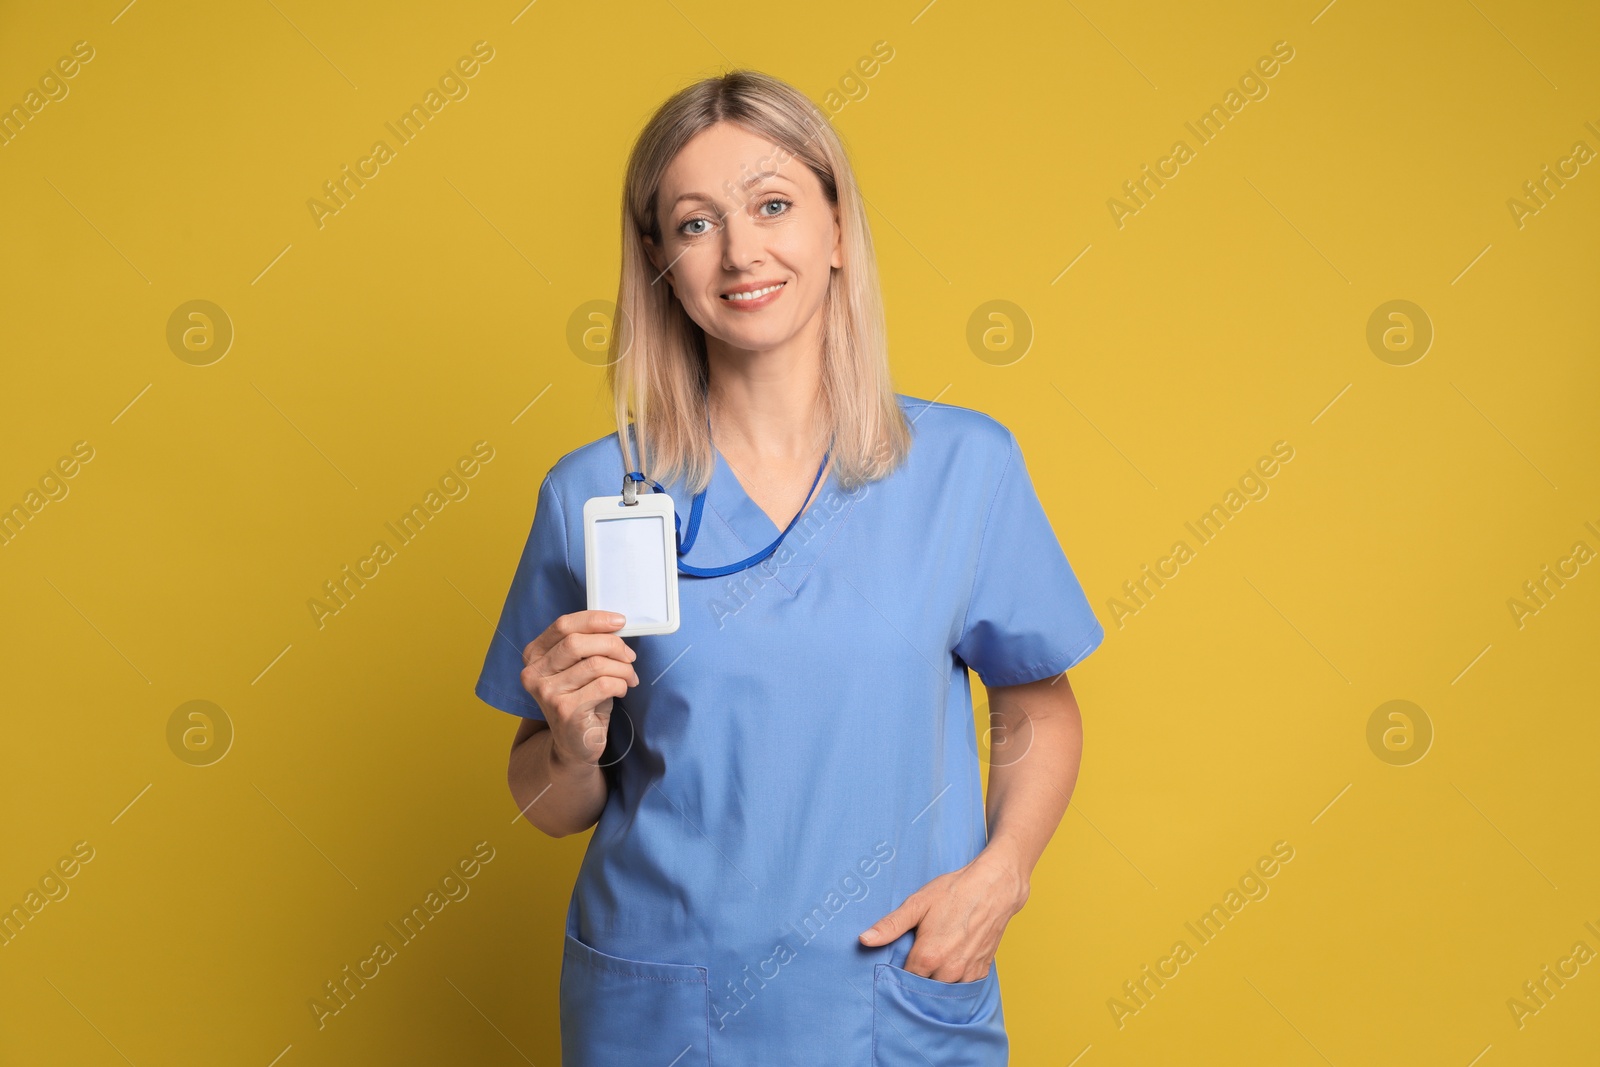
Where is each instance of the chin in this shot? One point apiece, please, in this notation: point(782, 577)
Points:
point(754, 340)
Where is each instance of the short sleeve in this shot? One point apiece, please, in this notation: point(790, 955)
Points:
point(542, 589)
point(1028, 617)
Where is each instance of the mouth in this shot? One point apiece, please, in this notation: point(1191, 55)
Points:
point(753, 295)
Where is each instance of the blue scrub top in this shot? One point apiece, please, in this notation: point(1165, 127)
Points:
point(799, 756)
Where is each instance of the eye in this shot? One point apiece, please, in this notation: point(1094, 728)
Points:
point(762, 209)
point(683, 227)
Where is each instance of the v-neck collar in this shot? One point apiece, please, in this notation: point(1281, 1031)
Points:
point(733, 526)
point(728, 496)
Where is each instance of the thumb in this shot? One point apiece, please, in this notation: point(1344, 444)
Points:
point(896, 922)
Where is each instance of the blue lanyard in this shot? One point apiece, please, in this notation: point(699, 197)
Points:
point(686, 541)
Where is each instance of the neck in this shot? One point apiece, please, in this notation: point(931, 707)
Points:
point(767, 403)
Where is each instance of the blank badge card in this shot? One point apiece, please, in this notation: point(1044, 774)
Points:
point(630, 561)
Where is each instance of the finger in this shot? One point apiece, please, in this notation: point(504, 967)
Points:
point(592, 713)
point(550, 689)
point(595, 699)
point(942, 962)
point(589, 668)
point(895, 923)
point(574, 622)
point(575, 647)
point(573, 650)
point(587, 741)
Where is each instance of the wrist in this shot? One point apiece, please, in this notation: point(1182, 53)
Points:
point(1008, 866)
point(562, 764)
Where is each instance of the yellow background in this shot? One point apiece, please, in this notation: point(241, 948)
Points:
point(1231, 312)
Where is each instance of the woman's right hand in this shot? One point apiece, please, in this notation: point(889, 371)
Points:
point(574, 670)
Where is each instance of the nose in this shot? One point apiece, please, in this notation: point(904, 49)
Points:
point(741, 243)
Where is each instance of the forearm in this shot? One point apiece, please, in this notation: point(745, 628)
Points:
point(557, 795)
point(1033, 773)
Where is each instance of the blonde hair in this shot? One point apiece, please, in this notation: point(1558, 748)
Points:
point(658, 380)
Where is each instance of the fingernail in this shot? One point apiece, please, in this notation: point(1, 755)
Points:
point(614, 619)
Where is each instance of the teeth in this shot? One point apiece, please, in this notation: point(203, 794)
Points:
point(753, 293)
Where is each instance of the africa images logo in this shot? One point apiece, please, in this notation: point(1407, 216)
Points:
point(452, 86)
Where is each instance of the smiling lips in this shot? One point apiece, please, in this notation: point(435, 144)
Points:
point(748, 299)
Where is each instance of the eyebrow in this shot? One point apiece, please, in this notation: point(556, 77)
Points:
point(754, 179)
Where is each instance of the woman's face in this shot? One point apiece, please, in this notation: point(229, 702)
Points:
point(738, 215)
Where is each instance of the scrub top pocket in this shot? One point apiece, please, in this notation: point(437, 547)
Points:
point(618, 1012)
point(922, 1022)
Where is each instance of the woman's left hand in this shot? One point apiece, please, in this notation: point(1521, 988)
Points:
point(959, 918)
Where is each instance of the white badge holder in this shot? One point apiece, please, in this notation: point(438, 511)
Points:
point(631, 559)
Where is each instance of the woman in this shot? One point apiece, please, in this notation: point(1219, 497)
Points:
point(790, 861)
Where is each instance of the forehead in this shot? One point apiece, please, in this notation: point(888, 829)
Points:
point(719, 160)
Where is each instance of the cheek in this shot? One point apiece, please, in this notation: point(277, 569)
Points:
point(808, 250)
point(697, 289)
point(692, 272)
point(819, 265)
